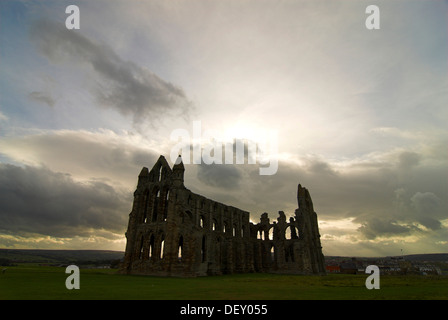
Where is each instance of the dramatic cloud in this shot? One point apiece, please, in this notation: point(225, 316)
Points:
point(82, 201)
point(376, 227)
point(427, 206)
point(101, 155)
point(40, 201)
point(360, 115)
point(122, 85)
point(371, 196)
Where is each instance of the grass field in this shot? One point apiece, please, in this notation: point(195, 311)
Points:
point(35, 282)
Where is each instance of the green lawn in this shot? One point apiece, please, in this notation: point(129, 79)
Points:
point(34, 282)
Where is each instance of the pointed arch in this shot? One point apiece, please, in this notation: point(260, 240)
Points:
point(146, 202)
point(151, 247)
point(180, 248)
point(140, 250)
point(158, 172)
point(202, 223)
point(162, 246)
point(226, 228)
point(165, 196)
point(270, 235)
point(155, 203)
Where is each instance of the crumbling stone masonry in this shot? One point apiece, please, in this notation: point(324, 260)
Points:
point(174, 232)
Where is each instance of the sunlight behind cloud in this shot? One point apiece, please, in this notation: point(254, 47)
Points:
point(359, 116)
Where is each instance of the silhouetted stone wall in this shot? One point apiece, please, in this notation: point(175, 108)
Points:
point(175, 232)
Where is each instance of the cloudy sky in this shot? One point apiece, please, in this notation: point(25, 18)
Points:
point(360, 116)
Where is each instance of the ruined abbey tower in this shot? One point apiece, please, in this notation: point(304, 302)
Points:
point(175, 232)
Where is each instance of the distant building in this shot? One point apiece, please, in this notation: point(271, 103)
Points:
point(387, 266)
point(426, 269)
point(333, 269)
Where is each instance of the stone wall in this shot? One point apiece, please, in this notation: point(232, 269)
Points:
point(175, 232)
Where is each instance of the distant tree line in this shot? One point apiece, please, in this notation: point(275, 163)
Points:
point(6, 262)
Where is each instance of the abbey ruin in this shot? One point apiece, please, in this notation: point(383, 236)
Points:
point(175, 232)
